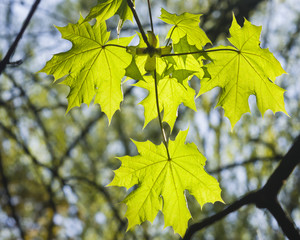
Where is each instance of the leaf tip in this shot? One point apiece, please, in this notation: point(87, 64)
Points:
point(81, 19)
point(234, 24)
point(68, 109)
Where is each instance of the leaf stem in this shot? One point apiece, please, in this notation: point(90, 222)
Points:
point(131, 6)
point(150, 16)
point(200, 51)
point(170, 36)
point(163, 133)
point(114, 45)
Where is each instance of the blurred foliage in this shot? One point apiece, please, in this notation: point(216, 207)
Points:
point(54, 167)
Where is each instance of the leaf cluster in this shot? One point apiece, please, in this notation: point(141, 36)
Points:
point(95, 66)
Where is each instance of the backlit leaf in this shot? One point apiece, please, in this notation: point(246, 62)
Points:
point(186, 24)
point(161, 182)
point(187, 65)
point(105, 9)
point(171, 94)
point(94, 66)
point(243, 70)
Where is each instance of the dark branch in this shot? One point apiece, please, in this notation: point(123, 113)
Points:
point(10, 133)
point(265, 197)
point(284, 221)
point(249, 161)
point(283, 171)
point(150, 16)
point(36, 114)
point(85, 131)
point(11, 50)
point(81, 136)
point(102, 190)
point(9, 199)
point(213, 219)
point(131, 6)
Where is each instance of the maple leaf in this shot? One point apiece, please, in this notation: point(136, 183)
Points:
point(185, 66)
point(186, 24)
point(161, 182)
point(243, 70)
point(105, 9)
point(171, 94)
point(93, 66)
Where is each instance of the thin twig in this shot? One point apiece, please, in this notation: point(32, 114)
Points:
point(201, 51)
point(170, 36)
point(243, 163)
point(131, 6)
point(39, 120)
point(84, 131)
point(9, 200)
point(164, 137)
point(150, 16)
point(102, 190)
point(114, 45)
point(13, 47)
point(24, 147)
point(52, 206)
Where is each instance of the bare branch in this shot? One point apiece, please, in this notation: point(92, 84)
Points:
point(265, 197)
point(9, 200)
point(131, 6)
point(11, 50)
point(246, 162)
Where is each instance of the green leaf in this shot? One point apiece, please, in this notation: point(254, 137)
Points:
point(171, 95)
point(243, 70)
point(124, 11)
point(132, 71)
point(105, 9)
point(93, 66)
point(186, 24)
point(161, 182)
point(183, 46)
point(187, 65)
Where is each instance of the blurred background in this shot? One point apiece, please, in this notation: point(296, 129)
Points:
point(54, 167)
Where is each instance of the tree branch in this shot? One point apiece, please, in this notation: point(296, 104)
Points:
point(11, 50)
point(266, 197)
point(103, 191)
point(10, 133)
point(243, 163)
point(9, 200)
point(163, 133)
point(283, 171)
point(249, 198)
point(131, 6)
point(84, 131)
point(150, 16)
point(284, 221)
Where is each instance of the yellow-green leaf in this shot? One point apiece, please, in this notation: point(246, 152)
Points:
point(186, 24)
point(185, 66)
point(93, 66)
point(105, 9)
point(171, 94)
point(161, 182)
point(243, 70)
